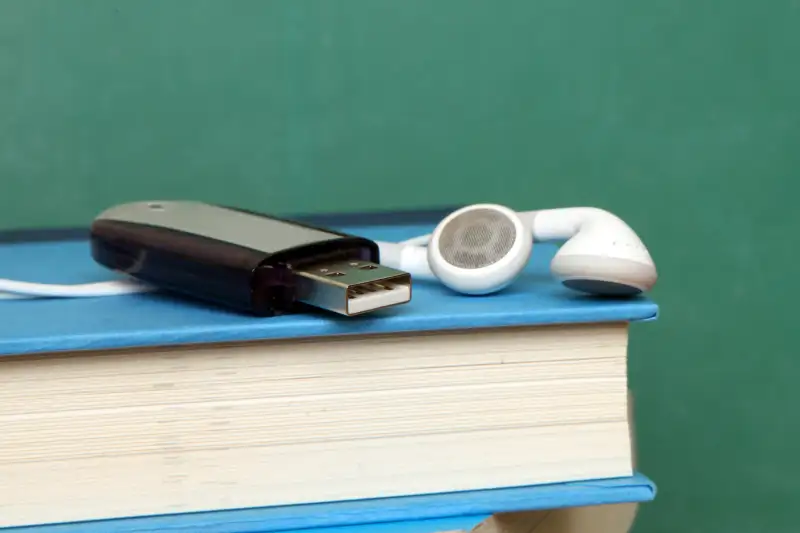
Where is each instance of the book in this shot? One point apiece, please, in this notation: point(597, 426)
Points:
point(149, 405)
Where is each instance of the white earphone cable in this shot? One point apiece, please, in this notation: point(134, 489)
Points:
point(13, 289)
point(421, 240)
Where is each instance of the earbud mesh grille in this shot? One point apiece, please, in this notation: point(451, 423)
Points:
point(477, 238)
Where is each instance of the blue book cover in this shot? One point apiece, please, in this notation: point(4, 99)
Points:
point(35, 326)
point(157, 319)
point(435, 513)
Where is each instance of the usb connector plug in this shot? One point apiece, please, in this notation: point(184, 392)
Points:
point(352, 287)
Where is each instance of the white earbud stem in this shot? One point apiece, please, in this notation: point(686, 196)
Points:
point(409, 258)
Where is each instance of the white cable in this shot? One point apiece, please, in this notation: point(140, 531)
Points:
point(421, 240)
point(13, 289)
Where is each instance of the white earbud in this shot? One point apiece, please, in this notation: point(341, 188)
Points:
point(482, 248)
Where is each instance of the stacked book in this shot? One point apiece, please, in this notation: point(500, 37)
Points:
point(146, 412)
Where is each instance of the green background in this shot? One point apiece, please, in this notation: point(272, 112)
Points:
point(680, 116)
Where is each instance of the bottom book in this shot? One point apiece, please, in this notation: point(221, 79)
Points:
point(610, 518)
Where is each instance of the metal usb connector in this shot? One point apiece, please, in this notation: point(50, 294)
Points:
point(352, 287)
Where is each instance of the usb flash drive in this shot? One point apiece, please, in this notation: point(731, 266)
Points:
point(244, 260)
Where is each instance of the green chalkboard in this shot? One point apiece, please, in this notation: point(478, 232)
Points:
point(682, 116)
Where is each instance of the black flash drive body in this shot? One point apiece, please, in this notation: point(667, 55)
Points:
point(246, 261)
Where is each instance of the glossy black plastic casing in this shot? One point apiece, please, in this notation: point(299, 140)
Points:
point(219, 272)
